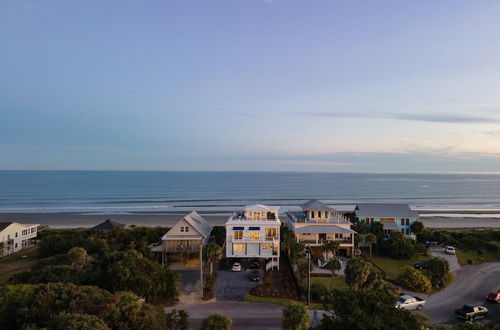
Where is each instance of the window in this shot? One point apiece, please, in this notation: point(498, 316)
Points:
point(184, 229)
point(402, 222)
point(407, 232)
point(238, 234)
point(16, 246)
point(312, 214)
point(238, 248)
point(338, 235)
point(16, 234)
point(267, 246)
point(254, 234)
point(407, 222)
point(319, 214)
point(271, 233)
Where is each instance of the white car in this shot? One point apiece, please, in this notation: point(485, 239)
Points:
point(449, 250)
point(236, 267)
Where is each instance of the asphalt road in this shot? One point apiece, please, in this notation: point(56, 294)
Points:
point(471, 285)
point(245, 315)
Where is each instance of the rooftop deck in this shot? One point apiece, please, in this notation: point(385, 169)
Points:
point(334, 218)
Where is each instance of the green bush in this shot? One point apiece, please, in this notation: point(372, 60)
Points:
point(318, 291)
point(414, 279)
point(216, 321)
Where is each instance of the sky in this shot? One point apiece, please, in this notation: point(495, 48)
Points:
point(250, 85)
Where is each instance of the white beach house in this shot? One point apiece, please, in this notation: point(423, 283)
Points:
point(185, 237)
point(254, 233)
point(16, 236)
point(318, 223)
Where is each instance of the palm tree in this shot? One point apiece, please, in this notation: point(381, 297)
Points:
point(333, 265)
point(211, 253)
point(357, 272)
point(372, 239)
point(331, 246)
point(295, 317)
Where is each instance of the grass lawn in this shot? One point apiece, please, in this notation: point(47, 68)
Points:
point(281, 301)
point(17, 263)
point(392, 266)
point(477, 258)
point(338, 282)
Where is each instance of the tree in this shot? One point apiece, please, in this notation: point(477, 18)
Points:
point(372, 239)
point(211, 253)
point(417, 228)
point(368, 309)
point(414, 279)
point(219, 234)
point(357, 272)
point(377, 229)
point(63, 321)
point(216, 321)
point(78, 257)
point(177, 320)
point(333, 265)
point(331, 246)
point(295, 317)
point(438, 269)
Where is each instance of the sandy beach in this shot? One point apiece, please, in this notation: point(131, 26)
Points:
point(167, 219)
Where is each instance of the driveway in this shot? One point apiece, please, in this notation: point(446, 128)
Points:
point(233, 285)
point(245, 315)
point(472, 284)
point(451, 258)
point(189, 280)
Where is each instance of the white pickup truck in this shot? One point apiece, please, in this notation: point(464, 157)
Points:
point(410, 303)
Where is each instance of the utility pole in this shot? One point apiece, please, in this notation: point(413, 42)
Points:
point(201, 268)
point(308, 278)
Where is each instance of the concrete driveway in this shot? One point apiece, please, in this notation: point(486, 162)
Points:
point(472, 284)
point(451, 258)
point(245, 315)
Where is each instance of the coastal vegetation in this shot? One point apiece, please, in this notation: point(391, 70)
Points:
point(295, 317)
point(216, 321)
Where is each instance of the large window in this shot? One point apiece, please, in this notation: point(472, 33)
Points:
point(271, 233)
point(254, 234)
point(239, 248)
point(238, 234)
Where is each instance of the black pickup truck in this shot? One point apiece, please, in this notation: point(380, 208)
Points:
point(471, 312)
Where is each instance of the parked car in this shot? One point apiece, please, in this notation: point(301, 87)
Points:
point(236, 267)
point(421, 265)
point(493, 297)
point(410, 303)
point(449, 250)
point(471, 312)
point(254, 265)
point(254, 276)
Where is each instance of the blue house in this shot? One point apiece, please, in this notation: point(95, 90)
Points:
point(394, 217)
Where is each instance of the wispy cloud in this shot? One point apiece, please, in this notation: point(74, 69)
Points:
point(423, 117)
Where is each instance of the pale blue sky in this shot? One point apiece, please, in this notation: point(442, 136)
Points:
point(316, 85)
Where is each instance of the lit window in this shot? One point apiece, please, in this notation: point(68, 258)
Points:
point(238, 234)
point(238, 247)
point(254, 234)
point(267, 246)
point(271, 233)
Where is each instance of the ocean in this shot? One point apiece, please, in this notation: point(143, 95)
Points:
point(104, 192)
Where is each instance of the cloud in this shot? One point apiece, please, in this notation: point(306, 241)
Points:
point(423, 117)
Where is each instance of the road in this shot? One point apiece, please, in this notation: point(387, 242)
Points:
point(471, 285)
point(245, 315)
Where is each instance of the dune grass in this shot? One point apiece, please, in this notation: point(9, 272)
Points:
point(17, 263)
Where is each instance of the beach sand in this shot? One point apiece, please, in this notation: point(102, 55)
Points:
point(168, 219)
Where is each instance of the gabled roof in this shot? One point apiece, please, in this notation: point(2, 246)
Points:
point(107, 225)
point(198, 223)
point(385, 211)
point(323, 229)
point(4, 225)
point(315, 205)
point(261, 208)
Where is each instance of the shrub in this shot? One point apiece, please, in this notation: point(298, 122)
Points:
point(414, 279)
point(216, 321)
point(318, 291)
point(438, 268)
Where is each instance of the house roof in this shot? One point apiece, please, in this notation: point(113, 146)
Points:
point(323, 229)
point(108, 225)
point(315, 205)
point(198, 223)
point(4, 225)
point(261, 208)
point(385, 211)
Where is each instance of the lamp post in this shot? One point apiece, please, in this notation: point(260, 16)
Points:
point(308, 278)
